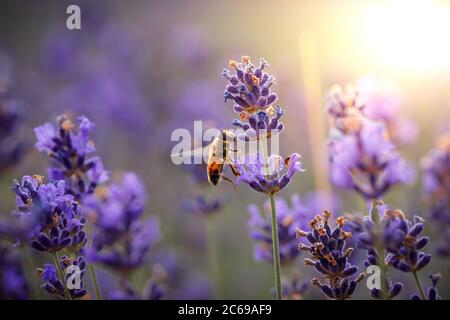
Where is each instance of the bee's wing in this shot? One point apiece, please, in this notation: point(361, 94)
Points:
point(199, 155)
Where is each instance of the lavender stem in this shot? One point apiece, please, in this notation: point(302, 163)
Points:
point(61, 275)
point(93, 275)
point(419, 285)
point(275, 241)
point(380, 250)
point(276, 249)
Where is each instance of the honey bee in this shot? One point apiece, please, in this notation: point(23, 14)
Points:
point(219, 156)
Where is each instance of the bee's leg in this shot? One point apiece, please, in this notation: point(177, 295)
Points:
point(231, 181)
point(232, 167)
point(234, 170)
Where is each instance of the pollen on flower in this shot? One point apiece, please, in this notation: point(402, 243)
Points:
point(246, 59)
point(67, 125)
point(233, 64)
point(39, 179)
point(255, 80)
point(341, 221)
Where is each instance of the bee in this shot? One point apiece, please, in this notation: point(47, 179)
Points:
point(219, 156)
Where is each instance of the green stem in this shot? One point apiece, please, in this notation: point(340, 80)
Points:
point(275, 241)
point(419, 285)
point(380, 251)
point(61, 275)
point(276, 249)
point(93, 275)
point(383, 273)
point(212, 255)
point(92, 272)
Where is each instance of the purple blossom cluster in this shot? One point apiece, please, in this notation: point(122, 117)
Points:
point(249, 86)
point(70, 150)
point(52, 216)
point(400, 238)
point(268, 175)
point(329, 255)
point(121, 239)
point(436, 181)
point(363, 157)
point(403, 242)
point(289, 218)
point(70, 267)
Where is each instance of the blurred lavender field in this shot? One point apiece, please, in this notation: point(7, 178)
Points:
point(86, 118)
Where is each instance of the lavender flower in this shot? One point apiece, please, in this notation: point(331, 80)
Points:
point(436, 180)
point(70, 150)
point(400, 238)
point(261, 123)
point(13, 283)
point(369, 234)
point(122, 240)
point(289, 217)
point(249, 86)
point(11, 150)
point(71, 267)
point(268, 176)
point(329, 256)
point(52, 216)
point(432, 291)
point(362, 156)
point(402, 241)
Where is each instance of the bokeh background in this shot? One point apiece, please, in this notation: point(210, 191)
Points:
point(139, 69)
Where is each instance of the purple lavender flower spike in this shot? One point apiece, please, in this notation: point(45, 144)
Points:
point(70, 151)
point(436, 181)
point(115, 211)
point(402, 241)
point(363, 158)
point(264, 123)
point(249, 86)
point(289, 217)
point(52, 217)
point(73, 269)
point(369, 237)
point(432, 291)
point(329, 255)
point(13, 284)
point(253, 172)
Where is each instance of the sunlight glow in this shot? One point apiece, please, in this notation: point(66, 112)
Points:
point(408, 35)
